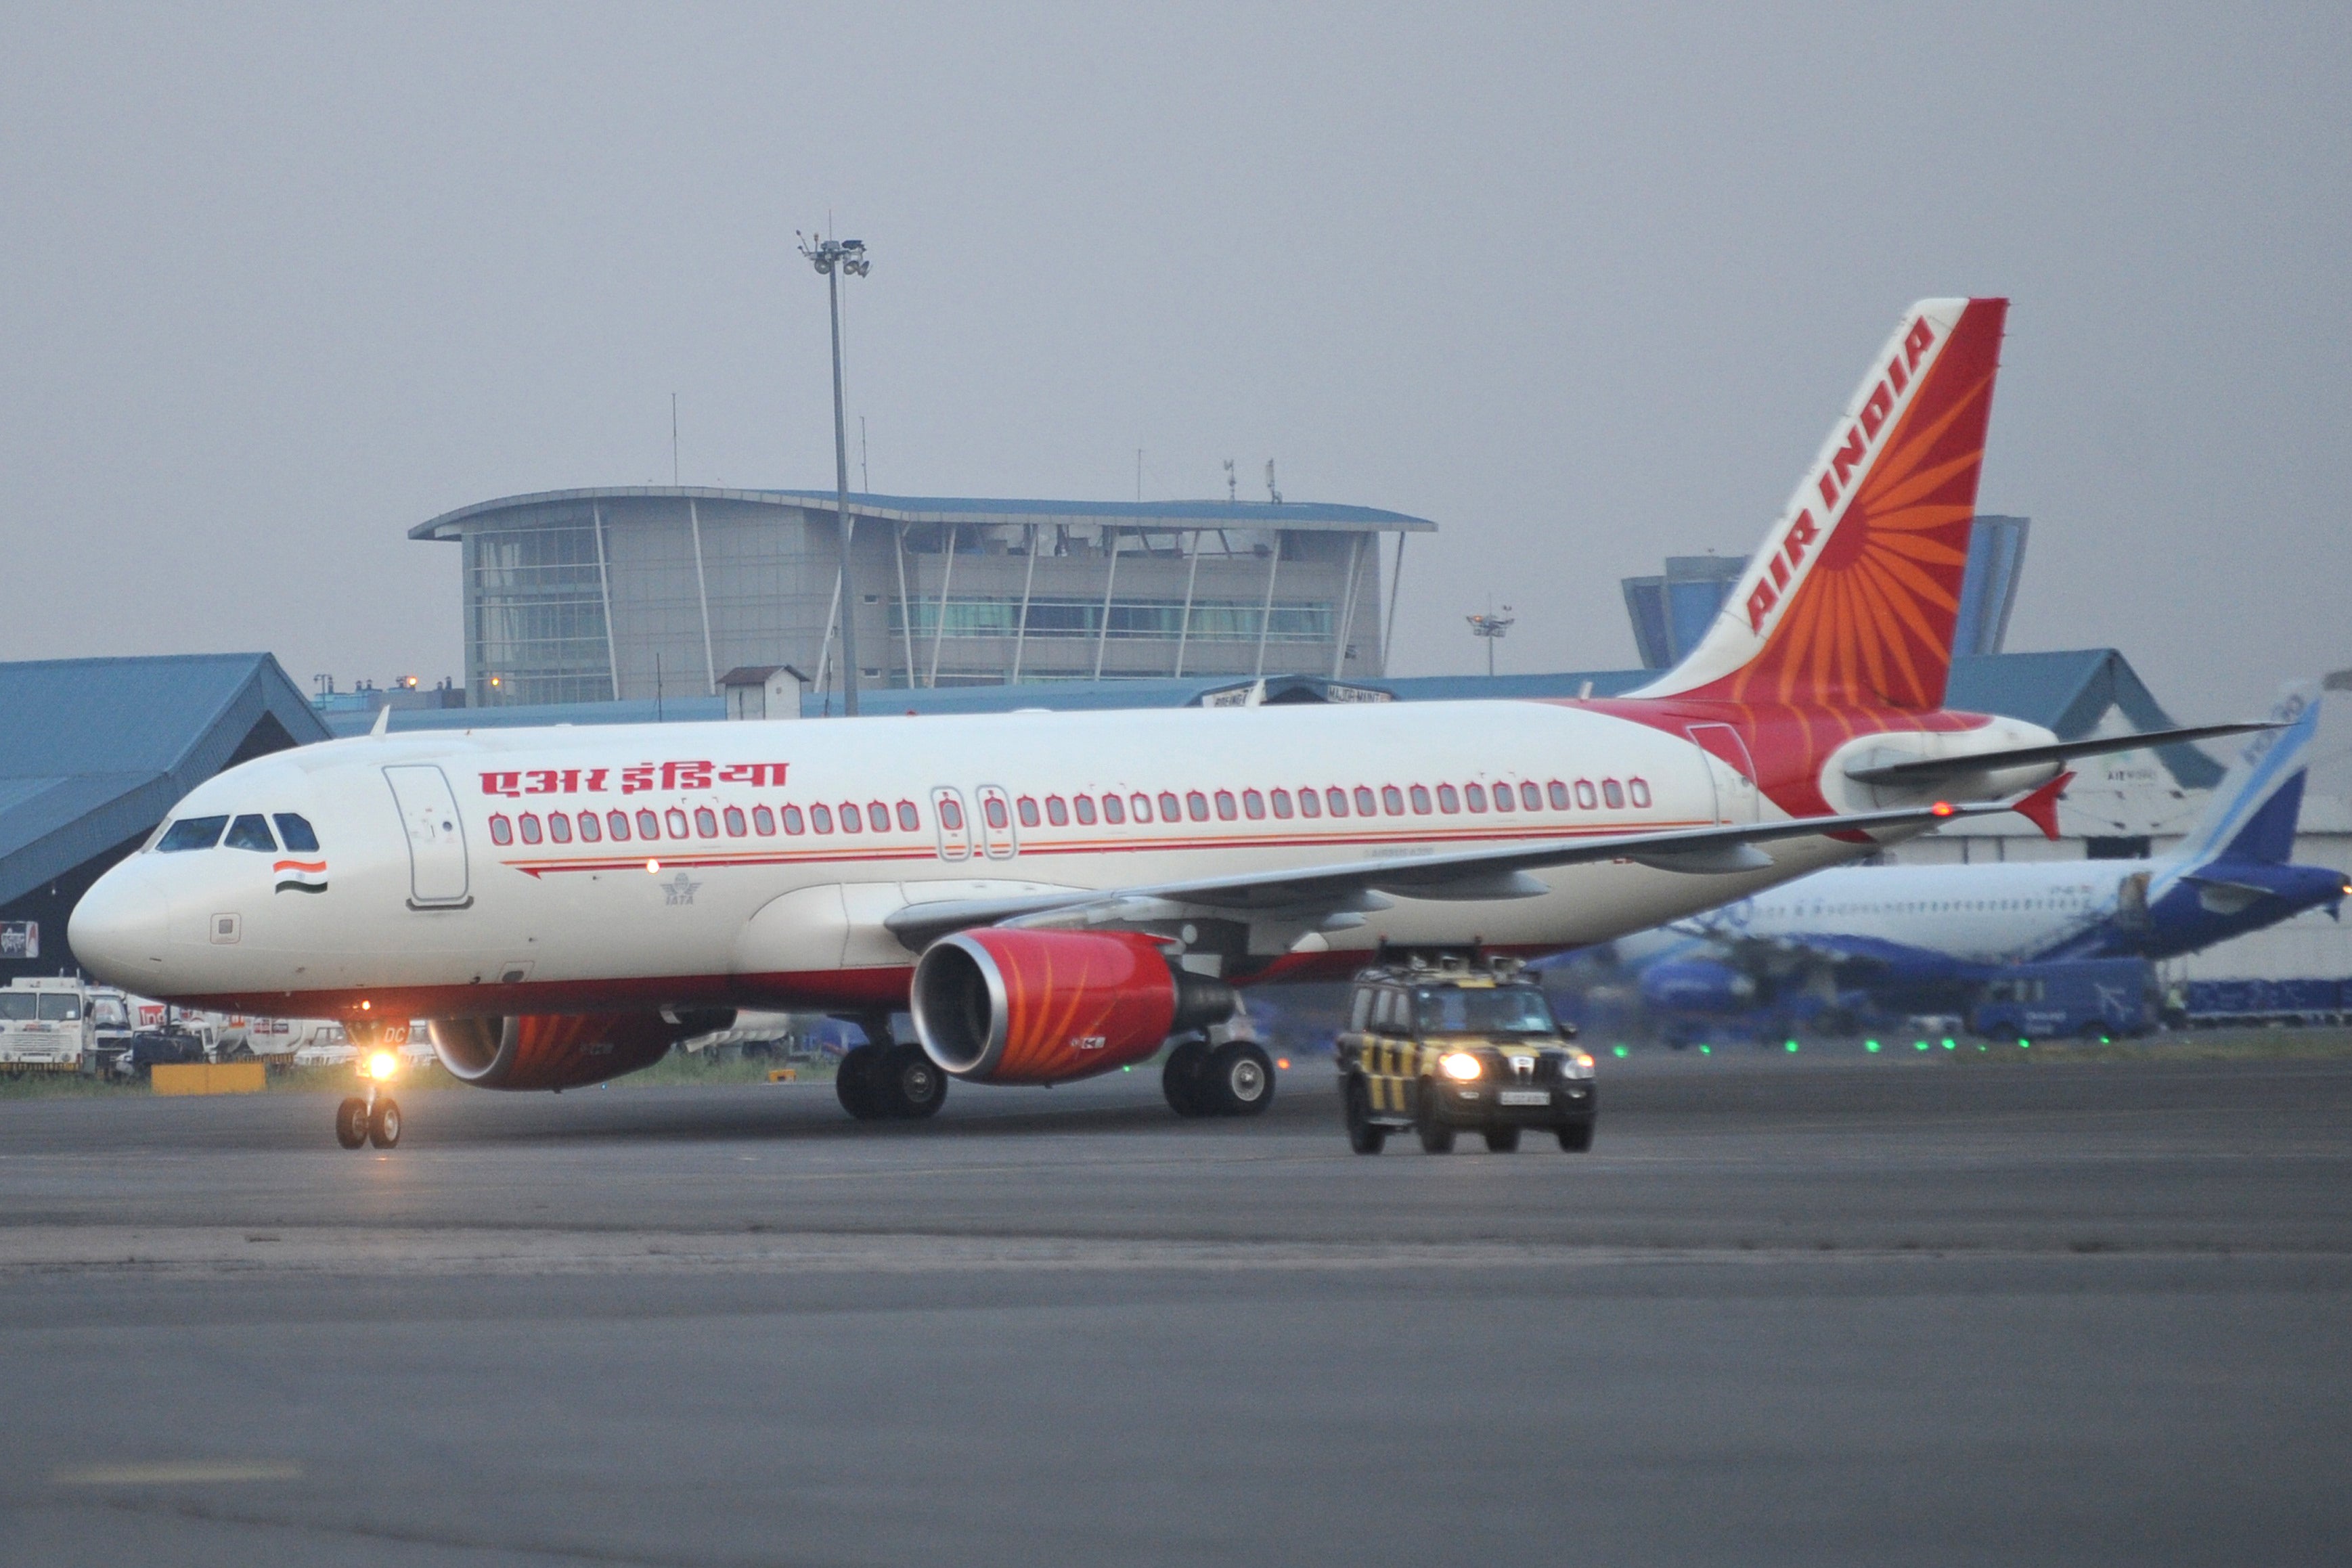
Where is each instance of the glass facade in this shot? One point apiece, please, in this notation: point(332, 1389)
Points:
point(1070, 615)
point(537, 606)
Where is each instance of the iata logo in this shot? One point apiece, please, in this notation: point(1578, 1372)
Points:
point(1834, 480)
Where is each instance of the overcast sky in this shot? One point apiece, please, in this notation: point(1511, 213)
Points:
point(1585, 286)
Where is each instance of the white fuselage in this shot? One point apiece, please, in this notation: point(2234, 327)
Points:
point(752, 890)
point(1975, 914)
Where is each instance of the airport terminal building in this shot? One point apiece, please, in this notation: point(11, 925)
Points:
point(629, 594)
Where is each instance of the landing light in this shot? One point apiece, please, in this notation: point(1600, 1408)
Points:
point(1460, 1065)
point(382, 1065)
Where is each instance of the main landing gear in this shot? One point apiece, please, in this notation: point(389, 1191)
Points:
point(374, 1119)
point(889, 1080)
point(1235, 1078)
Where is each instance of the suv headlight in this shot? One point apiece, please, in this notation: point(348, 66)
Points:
point(1578, 1064)
point(1460, 1066)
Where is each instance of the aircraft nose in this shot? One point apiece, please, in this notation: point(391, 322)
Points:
point(118, 928)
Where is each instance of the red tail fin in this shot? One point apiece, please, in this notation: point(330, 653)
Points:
point(1854, 597)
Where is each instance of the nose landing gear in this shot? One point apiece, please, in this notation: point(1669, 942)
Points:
point(372, 1120)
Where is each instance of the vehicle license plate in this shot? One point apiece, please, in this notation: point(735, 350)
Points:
point(1524, 1097)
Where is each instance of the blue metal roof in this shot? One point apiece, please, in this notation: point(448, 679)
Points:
point(1211, 514)
point(93, 752)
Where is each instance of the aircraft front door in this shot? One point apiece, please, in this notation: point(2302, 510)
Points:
point(436, 844)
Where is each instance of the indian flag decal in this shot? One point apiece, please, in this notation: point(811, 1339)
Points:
point(302, 876)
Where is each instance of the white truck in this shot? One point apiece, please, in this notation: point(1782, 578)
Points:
point(45, 1025)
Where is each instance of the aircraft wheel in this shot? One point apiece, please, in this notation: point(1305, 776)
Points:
point(1436, 1137)
point(909, 1083)
point(1576, 1138)
point(352, 1123)
point(1363, 1135)
point(1182, 1078)
point(1502, 1140)
point(854, 1082)
point(383, 1124)
point(1240, 1080)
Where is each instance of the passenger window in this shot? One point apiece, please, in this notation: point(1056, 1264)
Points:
point(296, 832)
point(1365, 805)
point(877, 815)
point(910, 821)
point(1530, 797)
point(821, 819)
point(616, 824)
point(530, 835)
point(1639, 788)
point(1475, 796)
point(1028, 809)
point(1084, 805)
point(1139, 807)
point(736, 826)
point(1613, 792)
point(1392, 800)
point(1503, 801)
point(1311, 804)
point(850, 824)
point(1558, 794)
point(795, 823)
point(501, 831)
point(251, 833)
point(763, 821)
point(1170, 811)
point(648, 825)
point(675, 818)
point(1421, 799)
point(1057, 812)
point(993, 808)
point(1282, 804)
point(191, 833)
point(1336, 799)
point(1585, 798)
point(1226, 808)
point(1449, 799)
point(705, 822)
point(1113, 812)
point(559, 828)
point(592, 831)
point(1254, 806)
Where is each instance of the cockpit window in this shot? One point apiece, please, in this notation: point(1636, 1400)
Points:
point(192, 833)
point(252, 832)
point(296, 831)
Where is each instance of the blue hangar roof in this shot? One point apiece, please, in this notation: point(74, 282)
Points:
point(1307, 516)
point(94, 751)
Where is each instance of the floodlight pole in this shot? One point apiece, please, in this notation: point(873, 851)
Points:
point(834, 257)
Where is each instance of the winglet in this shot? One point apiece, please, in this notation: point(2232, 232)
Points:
point(383, 724)
point(2040, 807)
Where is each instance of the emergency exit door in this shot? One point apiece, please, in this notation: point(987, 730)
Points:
point(437, 843)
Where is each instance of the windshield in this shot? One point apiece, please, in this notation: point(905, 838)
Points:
point(192, 833)
point(1505, 1010)
point(61, 1007)
point(16, 1006)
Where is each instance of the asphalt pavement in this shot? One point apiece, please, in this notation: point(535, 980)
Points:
point(1786, 1310)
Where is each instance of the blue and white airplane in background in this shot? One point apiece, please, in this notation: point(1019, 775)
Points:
point(1924, 935)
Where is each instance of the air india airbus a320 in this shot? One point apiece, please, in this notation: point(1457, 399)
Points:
point(1054, 895)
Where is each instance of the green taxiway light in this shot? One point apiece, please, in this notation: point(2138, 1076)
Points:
point(1951, 1045)
point(2025, 1045)
point(1792, 1048)
point(1621, 1051)
point(1706, 1050)
point(1918, 1045)
point(1870, 1046)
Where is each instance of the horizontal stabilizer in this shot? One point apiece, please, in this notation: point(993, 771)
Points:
point(1933, 769)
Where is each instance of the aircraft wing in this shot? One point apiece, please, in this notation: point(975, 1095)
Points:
point(1335, 896)
point(1931, 770)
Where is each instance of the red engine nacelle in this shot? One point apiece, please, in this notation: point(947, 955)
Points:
point(551, 1050)
point(1044, 1007)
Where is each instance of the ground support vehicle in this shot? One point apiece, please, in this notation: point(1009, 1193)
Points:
point(2094, 999)
point(45, 1025)
point(1457, 1046)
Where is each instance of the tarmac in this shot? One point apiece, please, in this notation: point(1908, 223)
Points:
point(1786, 1312)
